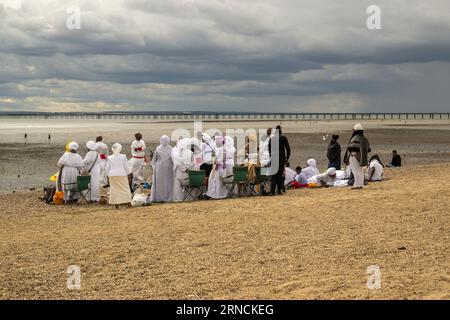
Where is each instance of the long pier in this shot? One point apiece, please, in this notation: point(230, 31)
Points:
point(218, 116)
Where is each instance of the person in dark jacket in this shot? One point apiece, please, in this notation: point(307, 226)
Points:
point(283, 153)
point(396, 160)
point(356, 156)
point(334, 153)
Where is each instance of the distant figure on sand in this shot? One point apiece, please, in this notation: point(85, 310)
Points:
point(396, 160)
point(49, 137)
point(334, 153)
point(356, 156)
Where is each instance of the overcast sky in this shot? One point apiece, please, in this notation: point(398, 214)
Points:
point(225, 55)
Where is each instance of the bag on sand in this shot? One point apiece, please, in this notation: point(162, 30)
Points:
point(49, 192)
point(58, 198)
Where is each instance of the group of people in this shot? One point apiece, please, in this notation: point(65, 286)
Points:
point(216, 156)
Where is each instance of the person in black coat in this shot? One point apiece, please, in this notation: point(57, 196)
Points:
point(283, 154)
point(334, 153)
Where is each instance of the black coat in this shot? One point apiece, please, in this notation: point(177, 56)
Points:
point(334, 152)
point(284, 151)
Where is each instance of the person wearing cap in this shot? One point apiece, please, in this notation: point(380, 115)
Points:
point(334, 153)
point(324, 179)
point(92, 166)
point(356, 156)
point(117, 171)
point(70, 165)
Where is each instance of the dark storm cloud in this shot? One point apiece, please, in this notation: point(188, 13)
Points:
point(157, 54)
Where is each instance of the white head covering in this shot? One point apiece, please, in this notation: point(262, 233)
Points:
point(91, 145)
point(164, 140)
point(331, 171)
point(73, 146)
point(311, 163)
point(116, 149)
point(358, 127)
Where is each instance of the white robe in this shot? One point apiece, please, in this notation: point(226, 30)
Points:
point(88, 163)
point(137, 161)
point(378, 168)
point(162, 182)
point(311, 170)
point(357, 170)
point(290, 176)
point(216, 186)
point(73, 163)
point(182, 161)
point(103, 150)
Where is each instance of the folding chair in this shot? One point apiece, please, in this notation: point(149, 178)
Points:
point(196, 183)
point(252, 185)
point(83, 184)
point(240, 178)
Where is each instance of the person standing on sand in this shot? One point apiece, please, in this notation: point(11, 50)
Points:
point(92, 166)
point(334, 153)
point(356, 156)
point(283, 153)
point(137, 161)
point(103, 151)
point(70, 165)
point(49, 138)
point(117, 171)
point(182, 162)
point(162, 182)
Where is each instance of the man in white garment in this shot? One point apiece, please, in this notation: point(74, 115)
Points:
point(264, 154)
point(311, 170)
point(137, 161)
point(324, 179)
point(375, 170)
point(182, 162)
point(91, 166)
point(70, 165)
point(289, 175)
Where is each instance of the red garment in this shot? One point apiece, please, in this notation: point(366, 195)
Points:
point(103, 156)
point(137, 149)
point(296, 185)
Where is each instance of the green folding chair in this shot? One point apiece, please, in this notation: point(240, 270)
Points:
point(260, 181)
point(82, 187)
point(240, 178)
point(196, 183)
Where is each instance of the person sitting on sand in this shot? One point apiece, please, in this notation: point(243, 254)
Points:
point(289, 175)
point(70, 165)
point(375, 169)
point(137, 160)
point(311, 170)
point(118, 171)
point(396, 160)
point(324, 179)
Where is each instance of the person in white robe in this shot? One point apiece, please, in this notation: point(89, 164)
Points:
point(264, 154)
point(375, 170)
point(137, 161)
point(70, 165)
point(162, 182)
point(325, 179)
point(103, 151)
point(182, 162)
point(289, 175)
point(216, 185)
point(117, 170)
point(311, 170)
point(207, 153)
point(92, 166)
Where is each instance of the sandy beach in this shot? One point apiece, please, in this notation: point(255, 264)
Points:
point(307, 244)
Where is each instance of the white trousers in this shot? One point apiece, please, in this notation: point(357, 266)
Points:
point(358, 171)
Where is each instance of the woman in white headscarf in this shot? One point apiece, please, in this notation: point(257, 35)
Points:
point(70, 165)
point(311, 170)
point(92, 166)
point(162, 182)
point(207, 153)
point(182, 162)
point(216, 186)
point(118, 171)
